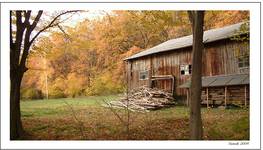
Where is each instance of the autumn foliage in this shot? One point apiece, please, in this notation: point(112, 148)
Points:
point(87, 59)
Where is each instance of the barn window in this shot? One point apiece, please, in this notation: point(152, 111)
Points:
point(242, 55)
point(186, 69)
point(243, 61)
point(143, 75)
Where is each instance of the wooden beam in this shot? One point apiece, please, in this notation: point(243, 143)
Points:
point(128, 74)
point(207, 95)
point(245, 95)
point(225, 95)
point(150, 74)
point(158, 77)
point(173, 86)
point(187, 97)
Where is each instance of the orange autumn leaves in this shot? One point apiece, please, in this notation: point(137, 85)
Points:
point(89, 59)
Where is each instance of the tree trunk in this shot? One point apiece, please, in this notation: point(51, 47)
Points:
point(16, 129)
point(196, 86)
point(19, 50)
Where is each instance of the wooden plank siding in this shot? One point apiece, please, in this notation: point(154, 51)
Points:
point(218, 59)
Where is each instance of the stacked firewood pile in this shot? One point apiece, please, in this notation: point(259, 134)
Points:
point(144, 99)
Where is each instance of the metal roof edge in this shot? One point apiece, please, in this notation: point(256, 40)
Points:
point(189, 45)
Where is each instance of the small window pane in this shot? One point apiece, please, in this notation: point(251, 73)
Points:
point(185, 69)
point(243, 61)
point(246, 64)
point(240, 64)
point(143, 75)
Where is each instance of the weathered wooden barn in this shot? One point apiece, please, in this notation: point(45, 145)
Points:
point(168, 66)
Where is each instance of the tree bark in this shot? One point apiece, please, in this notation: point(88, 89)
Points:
point(16, 129)
point(197, 19)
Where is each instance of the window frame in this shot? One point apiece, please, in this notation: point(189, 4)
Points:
point(244, 60)
point(188, 70)
point(146, 75)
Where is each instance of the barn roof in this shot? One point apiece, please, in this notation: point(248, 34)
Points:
point(221, 80)
point(186, 41)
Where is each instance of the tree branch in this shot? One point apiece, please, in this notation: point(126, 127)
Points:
point(51, 24)
point(34, 24)
point(27, 17)
point(27, 45)
point(28, 28)
point(64, 32)
point(11, 32)
point(20, 28)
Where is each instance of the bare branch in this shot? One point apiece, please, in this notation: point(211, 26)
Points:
point(34, 24)
point(79, 122)
point(52, 24)
point(20, 28)
point(11, 32)
point(64, 32)
point(27, 17)
point(29, 29)
point(114, 112)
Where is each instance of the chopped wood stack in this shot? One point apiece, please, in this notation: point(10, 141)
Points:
point(144, 99)
point(234, 95)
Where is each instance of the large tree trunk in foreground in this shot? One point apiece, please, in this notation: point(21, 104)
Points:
point(197, 19)
point(19, 48)
point(16, 129)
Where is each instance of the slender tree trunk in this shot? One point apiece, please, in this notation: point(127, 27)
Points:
point(196, 86)
point(16, 129)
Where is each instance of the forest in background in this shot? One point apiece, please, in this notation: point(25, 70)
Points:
point(87, 59)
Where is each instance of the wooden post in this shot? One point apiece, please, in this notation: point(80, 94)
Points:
point(245, 95)
point(150, 74)
point(187, 97)
point(130, 78)
point(128, 74)
point(173, 86)
point(207, 95)
point(225, 95)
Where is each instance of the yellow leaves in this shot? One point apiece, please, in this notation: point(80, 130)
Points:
point(104, 84)
point(91, 62)
point(217, 19)
point(74, 85)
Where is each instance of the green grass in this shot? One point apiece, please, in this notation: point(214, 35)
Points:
point(54, 120)
point(37, 108)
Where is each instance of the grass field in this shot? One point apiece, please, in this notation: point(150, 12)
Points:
point(86, 119)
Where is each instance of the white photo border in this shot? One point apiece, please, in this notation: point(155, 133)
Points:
point(255, 96)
